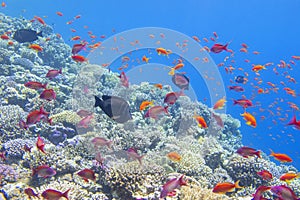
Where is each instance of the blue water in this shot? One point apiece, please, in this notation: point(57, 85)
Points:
point(270, 27)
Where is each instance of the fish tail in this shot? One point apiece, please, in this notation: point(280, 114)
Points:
point(44, 86)
point(60, 71)
point(50, 121)
point(172, 72)
point(65, 194)
point(40, 34)
point(236, 184)
point(166, 110)
point(257, 153)
point(181, 181)
point(293, 121)
point(109, 144)
point(272, 152)
point(98, 102)
point(140, 159)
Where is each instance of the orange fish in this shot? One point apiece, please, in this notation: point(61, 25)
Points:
point(145, 59)
point(265, 175)
point(296, 57)
point(59, 14)
point(250, 119)
point(201, 121)
point(158, 85)
point(281, 157)
point(219, 104)
point(75, 38)
point(36, 47)
point(79, 58)
point(222, 188)
point(176, 67)
point(3, 4)
point(163, 51)
point(257, 68)
point(145, 104)
point(288, 177)
point(174, 156)
point(40, 20)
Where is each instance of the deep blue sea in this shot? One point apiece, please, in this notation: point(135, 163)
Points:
point(271, 27)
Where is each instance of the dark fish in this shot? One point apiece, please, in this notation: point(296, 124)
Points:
point(26, 35)
point(115, 107)
point(240, 79)
point(181, 81)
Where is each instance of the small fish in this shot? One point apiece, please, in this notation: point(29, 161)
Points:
point(52, 73)
point(245, 103)
point(218, 48)
point(26, 35)
point(155, 111)
point(30, 193)
point(83, 113)
point(219, 104)
point(163, 51)
point(43, 171)
point(284, 193)
point(171, 185)
point(248, 151)
point(35, 47)
point(59, 13)
point(294, 123)
point(176, 67)
point(250, 119)
point(257, 68)
point(48, 94)
point(236, 88)
point(200, 121)
point(146, 104)
point(174, 156)
point(35, 85)
point(223, 188)
point(259, 192)
point(36, 116)
point(158, 85)
point(288, 177)
point(99, 141)
point(75, 38)
point(78, 47)
point(145, 59)
point(172, 97)
point(85, 122)
point(114, 107)
point(181, 81)
point(218, 119)
point(51, 194)
point(39, 19)
point(2, 155)
point(99, 159)
point(3, 4)
point(4, 37)
point(124, 79)
point(40, 144)
point(240, 79)
point(133, 154)
point(87, 174)
point(281, 157)
point(79, 58)
point(27, 148)
point(265, 175)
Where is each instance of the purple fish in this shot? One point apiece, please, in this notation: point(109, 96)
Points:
point(155, 111)
point(48, 94)
point(172, 97)
point(78, 47)
point(52, 73)
point(284, 192)
point(43, 171)
point(259, 192)
point(218, 48)
point(171, 185)
point(181, 81)
point(247, 151)
point(132, 153)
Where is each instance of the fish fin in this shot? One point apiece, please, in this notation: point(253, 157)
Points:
point(40, 34)
point(140, 159)
point(257, 153)
point(236, 184)
point(65, 194)
point(105, 97)
point(98, 102)
point(172, 72)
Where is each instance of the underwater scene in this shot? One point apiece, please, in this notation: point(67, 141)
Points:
point(146, 100)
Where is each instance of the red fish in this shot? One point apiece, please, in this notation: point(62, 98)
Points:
point(236, 88)
point(85, 122)
point(247, 151)
point(265, 175)
point(281, 157)
point(99, 141)
point(132, 153)
point(30, 193)
point(87, 174)
point(4, 37)
point(155, 111)
point(169, 187)
point(35, 85)
point(52, 73)
point(171, 97)
point(124, 79)
point(51, 194)
point(259, 192)
point(78, 47)
point(79, 58)
point(294, 123)
point(40, 20)
point(218, 48)
point(43, 171)
point(40, 144)
point(223, 188)
point(48, 94)
point(36, 47)
point(36, 116)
